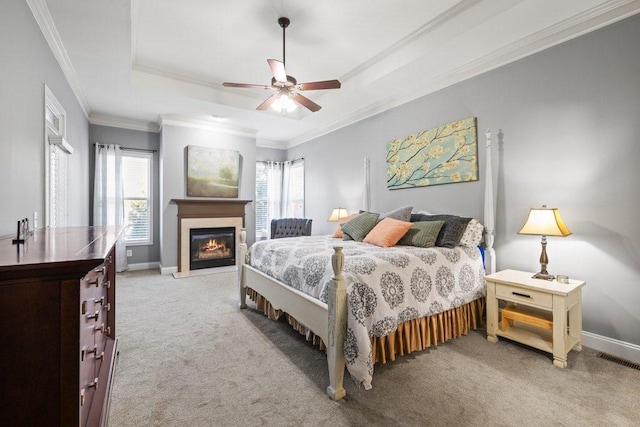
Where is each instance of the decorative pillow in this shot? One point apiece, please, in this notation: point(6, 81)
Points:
point(423, 234)
point(387, 232)
point(472, 235)
point(358, 227)
point(338, 232)
point(401, 214)
point(452, 230)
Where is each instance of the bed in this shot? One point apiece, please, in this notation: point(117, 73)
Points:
point(325, 287)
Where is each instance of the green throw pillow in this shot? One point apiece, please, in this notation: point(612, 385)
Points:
point(357, 228)
point(423, 234)
point(451, 231)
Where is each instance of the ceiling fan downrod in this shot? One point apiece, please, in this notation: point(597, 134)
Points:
point(284, 23)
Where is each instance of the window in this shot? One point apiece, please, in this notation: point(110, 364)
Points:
point(279, 193)
point(138, 204)
point(57, 151)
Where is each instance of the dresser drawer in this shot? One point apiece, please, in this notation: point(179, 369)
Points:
point(524, 296)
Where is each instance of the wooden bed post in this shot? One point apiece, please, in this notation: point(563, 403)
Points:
point(489, 216)
point(337, 306)
point(242, 288)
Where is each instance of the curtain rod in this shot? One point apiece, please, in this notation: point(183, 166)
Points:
point(132, 149)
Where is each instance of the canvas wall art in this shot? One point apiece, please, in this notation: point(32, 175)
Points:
point(441, 155)
point(212, 172)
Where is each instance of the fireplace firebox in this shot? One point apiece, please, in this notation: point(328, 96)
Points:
point(212, 247)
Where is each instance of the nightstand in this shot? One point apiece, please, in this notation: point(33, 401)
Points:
point(543, 314)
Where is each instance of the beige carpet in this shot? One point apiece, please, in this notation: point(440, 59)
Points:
point(190, 357)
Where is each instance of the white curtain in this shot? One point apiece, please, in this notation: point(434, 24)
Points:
point(108, 197)
point(274, 179)
point(285, 201)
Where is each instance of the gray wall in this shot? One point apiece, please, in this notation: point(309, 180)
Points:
point(26, 65)
point(270, 154)
point(173, 143)
point(127, 138)
point(569, 123)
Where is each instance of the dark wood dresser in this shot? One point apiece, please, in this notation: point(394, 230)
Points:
point(57, 327)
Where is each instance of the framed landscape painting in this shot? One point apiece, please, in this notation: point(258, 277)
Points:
point(212, 172)
point(441, 155)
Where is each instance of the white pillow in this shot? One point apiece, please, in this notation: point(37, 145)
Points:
point(472, 235)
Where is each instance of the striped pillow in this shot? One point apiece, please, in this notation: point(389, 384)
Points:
point(423, 234)
point(358, 228)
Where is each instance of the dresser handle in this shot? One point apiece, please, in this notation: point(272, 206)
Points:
point(100, 356)
point(93, 282)
point(94, 316)
point(521, 295)
point(82, 397)
point(93, 383)
point(107, 284)
point(103, 329)
point(107, 307)
point(100, 270)
point(99, 300)
point(86, 352)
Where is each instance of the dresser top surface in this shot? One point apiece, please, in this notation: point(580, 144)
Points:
point(58, 245)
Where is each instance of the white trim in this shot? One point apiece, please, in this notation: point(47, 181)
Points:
point(144, 266)
point(183, 121)
point(43, 17)
point(168, 270)
point(124, 123)
point(267, 143)
point(61, 142)
point(590, 20)
point(621, 349)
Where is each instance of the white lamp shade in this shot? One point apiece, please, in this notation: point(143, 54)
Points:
point(337, 214)
point(544, 222)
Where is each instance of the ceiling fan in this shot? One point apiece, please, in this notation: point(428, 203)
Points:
point(287, 87)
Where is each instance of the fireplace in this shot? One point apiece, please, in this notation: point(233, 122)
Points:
point(207, 214)
point(212, 247)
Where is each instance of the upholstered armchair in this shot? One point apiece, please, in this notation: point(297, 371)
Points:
point(290, 227)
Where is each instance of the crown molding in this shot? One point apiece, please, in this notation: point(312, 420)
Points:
point(578, 25)
point(43, 17)
point(124, 123)
point(267, 143)
point(183, 121)
point(435, 23)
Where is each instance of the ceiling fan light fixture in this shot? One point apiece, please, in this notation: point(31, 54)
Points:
point(284, 104)
point(287, 97)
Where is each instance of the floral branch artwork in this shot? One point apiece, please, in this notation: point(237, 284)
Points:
point(440, 155)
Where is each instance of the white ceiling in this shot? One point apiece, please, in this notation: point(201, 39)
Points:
point(141, 63)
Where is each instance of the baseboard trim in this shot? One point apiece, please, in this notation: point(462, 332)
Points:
point(144, 266)
point(621, 349)
point(168, 270)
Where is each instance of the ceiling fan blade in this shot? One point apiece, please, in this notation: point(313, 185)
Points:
point(244, 85)
point(326, 84)
point(277, 68)
point(306, 102)
point(268, 102)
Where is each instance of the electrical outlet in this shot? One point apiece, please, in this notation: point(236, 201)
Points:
point(35, 219)
point(129, 252)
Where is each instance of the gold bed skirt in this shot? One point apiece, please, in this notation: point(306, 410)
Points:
point(413, 335)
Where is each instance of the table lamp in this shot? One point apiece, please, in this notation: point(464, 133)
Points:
point(544, 222)
point(337, 214)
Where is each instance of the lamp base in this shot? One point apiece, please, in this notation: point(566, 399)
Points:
point(543, 276)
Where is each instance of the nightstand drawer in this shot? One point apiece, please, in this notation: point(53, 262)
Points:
point(524, 296)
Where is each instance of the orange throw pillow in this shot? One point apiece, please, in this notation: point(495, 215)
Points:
point(387, 232)
point(338, 232)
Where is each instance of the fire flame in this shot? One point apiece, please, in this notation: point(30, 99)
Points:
point(213, 245)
